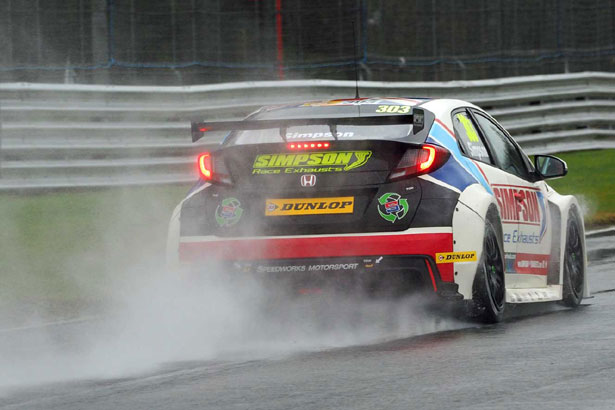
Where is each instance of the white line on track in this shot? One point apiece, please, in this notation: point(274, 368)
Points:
point(601, 232)
point(50, 324)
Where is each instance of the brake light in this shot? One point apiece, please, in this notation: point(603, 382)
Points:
point(427, 157)
point(308, 145)
point(205, 166)
point(422, 160)
point(213, 169)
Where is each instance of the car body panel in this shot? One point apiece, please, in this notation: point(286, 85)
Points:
point(443, 213)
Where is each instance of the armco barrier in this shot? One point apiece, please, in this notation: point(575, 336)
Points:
point(56, 136)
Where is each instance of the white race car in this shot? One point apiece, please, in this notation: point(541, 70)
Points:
point(432, 192)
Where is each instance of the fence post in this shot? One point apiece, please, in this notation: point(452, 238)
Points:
point(279, 38)
point(9, 33)
point(364, 31)
point(560, 53)
point(100, 39)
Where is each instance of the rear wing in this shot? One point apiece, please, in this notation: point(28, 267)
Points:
point(200, 128)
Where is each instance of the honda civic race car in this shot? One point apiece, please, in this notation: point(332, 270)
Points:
point(431, 192)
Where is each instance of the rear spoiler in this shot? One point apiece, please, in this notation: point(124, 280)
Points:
point(200, 128)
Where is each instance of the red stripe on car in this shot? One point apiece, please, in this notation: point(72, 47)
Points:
point(322, 247)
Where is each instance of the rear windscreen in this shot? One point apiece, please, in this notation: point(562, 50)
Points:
point(323, 133)
point(330, 109)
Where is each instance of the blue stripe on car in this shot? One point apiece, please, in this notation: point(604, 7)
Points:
point(461, 172)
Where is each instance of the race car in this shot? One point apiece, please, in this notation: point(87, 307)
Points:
point(431, 192)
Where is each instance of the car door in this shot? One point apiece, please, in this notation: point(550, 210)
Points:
point(472, 145)
point(523, 207)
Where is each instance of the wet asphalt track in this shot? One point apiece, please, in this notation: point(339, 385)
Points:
point(540, 358)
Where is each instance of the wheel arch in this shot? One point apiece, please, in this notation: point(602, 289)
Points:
point(473, 207)
point(173, 231)
point(560, 207)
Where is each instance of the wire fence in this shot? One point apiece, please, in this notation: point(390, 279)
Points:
point(205, 41)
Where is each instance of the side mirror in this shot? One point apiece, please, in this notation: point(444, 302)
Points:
point(548, 166)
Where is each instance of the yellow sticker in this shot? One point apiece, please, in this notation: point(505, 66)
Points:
point(467, 124)
point(309, 206)
point(451, 257)
point(329, 161)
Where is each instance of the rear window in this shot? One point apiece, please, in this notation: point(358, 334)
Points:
point(332, 109)
point(323, 133)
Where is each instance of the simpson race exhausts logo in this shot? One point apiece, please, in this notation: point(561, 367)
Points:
point(525, 207)
point(335, 161)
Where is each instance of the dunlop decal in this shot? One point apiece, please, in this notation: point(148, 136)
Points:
point(309, 206)
point(334, 161)
point(451, 257)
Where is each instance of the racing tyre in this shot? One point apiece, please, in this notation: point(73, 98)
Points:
point(574, 267)
point(489, 291)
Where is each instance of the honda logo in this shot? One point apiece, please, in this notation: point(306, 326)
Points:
point(308, 180)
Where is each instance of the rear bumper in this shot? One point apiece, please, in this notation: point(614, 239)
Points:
point(363, 249)
point(387, 275)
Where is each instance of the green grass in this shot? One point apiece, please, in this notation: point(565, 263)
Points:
point(591, 177)
point(69, 248)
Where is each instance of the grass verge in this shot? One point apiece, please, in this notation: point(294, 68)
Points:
point(61, 251)
point(591, 177)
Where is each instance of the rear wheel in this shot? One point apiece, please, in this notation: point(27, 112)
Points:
point(489, 291)
point(574, 267)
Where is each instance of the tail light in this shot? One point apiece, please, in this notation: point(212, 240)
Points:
point(416, 161)
point(205, 166)
point(208, 172)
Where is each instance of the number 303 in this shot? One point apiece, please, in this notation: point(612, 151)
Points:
point(399, 109)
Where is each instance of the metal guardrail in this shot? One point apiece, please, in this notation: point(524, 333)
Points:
point(56, 136)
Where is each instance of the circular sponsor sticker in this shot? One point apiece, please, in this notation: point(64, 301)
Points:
point(391, 206)
point(228, 212)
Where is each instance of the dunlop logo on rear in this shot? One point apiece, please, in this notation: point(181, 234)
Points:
point(451, 257)
point(334, 161)
point(309, 206)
